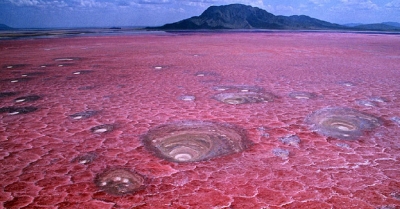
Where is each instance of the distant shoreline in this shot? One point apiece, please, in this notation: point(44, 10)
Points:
point(69, 32)
point(82, 32)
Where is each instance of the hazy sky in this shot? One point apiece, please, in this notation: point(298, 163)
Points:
point(99, 13)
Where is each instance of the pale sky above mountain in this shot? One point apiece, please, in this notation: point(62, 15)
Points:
point(107, 13)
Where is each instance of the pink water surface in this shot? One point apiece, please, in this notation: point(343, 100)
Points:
point(138, 82)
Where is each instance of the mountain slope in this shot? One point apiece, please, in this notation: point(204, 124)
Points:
point(5, 27)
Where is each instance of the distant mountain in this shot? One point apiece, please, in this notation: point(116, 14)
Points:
point(239, 16)
point(385, 26)
point(352, 24)
point(306, 22)
point(395, 24)
point(5, 27)
point(377, 26)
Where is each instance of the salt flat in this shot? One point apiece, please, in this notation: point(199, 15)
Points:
point(314, 121)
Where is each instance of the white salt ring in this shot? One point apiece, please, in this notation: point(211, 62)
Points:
point(183, 157)
point(101, 130)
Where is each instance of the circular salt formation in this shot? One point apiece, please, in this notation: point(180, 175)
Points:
point(16, 80)
point(244, 97)
point(378, 99)
point(238, 88)
point(86, 158)
point(15, 66)
point(82, 72)
point(206, 73)
point(105, 128)
point(30, 98)
point(365, 103)
point(342, 123)
point(67, 59)
point(302, 95)
point(119, 181)
point(187, 98)
point(18, 110)
point(83, 115)
point(33, 74)
point(347, 83)
point(191, 141)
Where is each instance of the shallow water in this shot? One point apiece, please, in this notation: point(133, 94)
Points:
point(99, 96)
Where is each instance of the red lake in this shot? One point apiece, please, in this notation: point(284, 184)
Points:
point(201, 120)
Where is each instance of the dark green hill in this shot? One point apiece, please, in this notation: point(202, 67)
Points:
point(239, 16)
